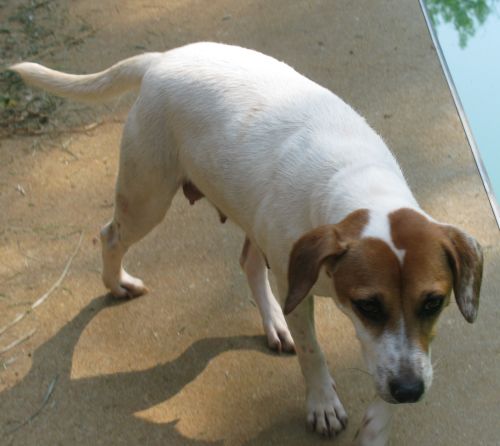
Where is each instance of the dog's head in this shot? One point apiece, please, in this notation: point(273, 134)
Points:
point(392, 274)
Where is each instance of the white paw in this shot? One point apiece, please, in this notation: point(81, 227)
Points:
point(278, 334)
point(128, 287)
point(325, 413)
point(375, 427)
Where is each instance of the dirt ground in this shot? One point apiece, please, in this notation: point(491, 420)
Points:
point(187, 363)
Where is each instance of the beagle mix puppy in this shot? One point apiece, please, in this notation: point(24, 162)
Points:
point(320, 197)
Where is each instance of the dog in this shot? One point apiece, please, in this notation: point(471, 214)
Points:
point(321, 199)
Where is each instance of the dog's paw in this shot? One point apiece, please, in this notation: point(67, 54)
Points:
point(128, 287)
point(375, 427)
point(278, 335)
point(325, 413)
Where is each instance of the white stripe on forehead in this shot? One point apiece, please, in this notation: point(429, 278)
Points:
point(378, 226)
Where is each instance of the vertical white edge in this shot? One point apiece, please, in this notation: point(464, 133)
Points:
point(465, 123)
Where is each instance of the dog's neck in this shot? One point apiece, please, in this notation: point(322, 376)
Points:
point(377, 188)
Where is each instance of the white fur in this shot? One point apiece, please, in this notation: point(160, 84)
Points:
point(125, 75)
point(379, 227)
point(245, 125)
point(275, 152)
point(387, 355)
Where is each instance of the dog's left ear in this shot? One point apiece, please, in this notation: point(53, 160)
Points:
point(306, 258)
point(466, 260)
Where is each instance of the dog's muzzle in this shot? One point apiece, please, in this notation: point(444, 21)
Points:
point(407, 389)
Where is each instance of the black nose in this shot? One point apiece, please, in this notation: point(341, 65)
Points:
point(406, 390)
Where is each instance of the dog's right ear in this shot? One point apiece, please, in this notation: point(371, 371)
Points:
point(307, 256)
point(323, 244)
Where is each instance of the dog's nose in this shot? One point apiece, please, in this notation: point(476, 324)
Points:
point(407, 390)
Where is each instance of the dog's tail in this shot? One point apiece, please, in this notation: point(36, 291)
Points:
point(123, 76)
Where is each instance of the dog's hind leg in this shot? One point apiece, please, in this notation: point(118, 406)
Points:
point(146, 184)
point(254, 265)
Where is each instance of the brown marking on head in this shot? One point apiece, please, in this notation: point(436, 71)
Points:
point(438, 257)
point(370, 270)
point(394, 289)
point(312, 250)
point(370, 273)
point(425, 272)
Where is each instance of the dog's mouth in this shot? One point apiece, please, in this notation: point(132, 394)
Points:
point(388, 398)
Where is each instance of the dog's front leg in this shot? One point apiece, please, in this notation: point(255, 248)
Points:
point(325, 413)
point(376, 425)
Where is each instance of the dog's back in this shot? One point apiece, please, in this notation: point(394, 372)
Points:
point(239, 123)
point(245, 124)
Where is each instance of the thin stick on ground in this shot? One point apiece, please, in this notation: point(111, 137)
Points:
point(58, 282)
point(45, 400)
point(17, 319)
point(64, 131)
point(45, 296)
point(17, 342)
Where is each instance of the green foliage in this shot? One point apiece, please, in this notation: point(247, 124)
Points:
point(33, 30)
point(25, 31)
point(465, 15)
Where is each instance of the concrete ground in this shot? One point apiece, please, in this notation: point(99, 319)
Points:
point(187, 363)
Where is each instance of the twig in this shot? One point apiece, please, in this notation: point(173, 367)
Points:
point(46, 398)
point(65, 147)
point(21, 190)
point(17, 342)
point(63, 131)
point(7, 362)
point(93, 126)
point(18, 318)
point(45, 296)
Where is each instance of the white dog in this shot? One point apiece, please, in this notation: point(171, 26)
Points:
point(320, 197)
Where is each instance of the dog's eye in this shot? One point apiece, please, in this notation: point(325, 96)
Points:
point(431, 306)
point(370, 308)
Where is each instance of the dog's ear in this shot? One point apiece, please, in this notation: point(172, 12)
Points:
point(325, 244)
point(466, 261)
point(308, 254)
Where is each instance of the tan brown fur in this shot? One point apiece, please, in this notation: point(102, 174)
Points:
point(370, 268)
point(434, 255)
point(438, 257)
point(425, 269)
